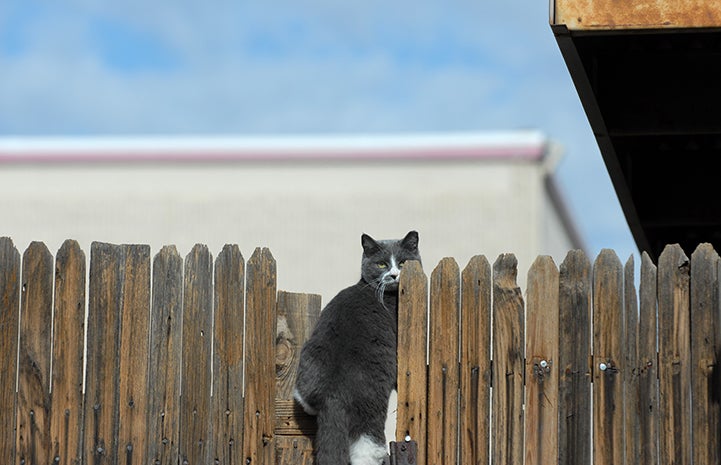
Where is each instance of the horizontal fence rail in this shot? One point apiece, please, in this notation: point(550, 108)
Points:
point(127, 358)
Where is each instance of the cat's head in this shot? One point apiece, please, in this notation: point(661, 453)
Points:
point(382, 260)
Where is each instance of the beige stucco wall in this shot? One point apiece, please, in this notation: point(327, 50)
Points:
point(310, 214)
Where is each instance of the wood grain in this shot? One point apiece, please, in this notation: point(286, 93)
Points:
point(133, 355)
point(297, 316)
point(704, 336)
point(9, 326)
point(412, 343)
point(227, 400)
point(508, 364)
point(68, 354)
point(631, 379)
point(34, 443)
point(443, 381)
point(609, 366)
point(474, 402)
point(259, 444)
point(165, 353)
point(648, 365)
point(196, 362)
point(103, 334)
point(541, 360)
point(674, 357)
point(574, 341)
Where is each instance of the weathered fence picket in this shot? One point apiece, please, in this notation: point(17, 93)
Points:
point(474, 405)
point(412, 368)
point(609, 367)
point(194, 447)
point(574, 353)
point(647, 365)
point(443, 382)
point(33, 401)
point(165, 353)
point(704, 311)
point(508, 364)
point(68, 354)
point(10, 300)
point(630, 351)
point(259, 418)
point(541, 358)
point(674, 357)
point(193, 361)
point(229, 318)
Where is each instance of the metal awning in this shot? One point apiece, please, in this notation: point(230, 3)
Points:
point(648, 74)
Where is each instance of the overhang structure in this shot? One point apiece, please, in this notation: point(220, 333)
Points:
point(648, 73)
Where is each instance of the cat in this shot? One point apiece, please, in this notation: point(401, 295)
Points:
point(347, 368)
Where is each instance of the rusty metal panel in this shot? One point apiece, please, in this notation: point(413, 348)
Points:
point(635, 14)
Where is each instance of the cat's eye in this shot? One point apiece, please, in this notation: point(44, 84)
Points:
point(382, 265)
point(400, 265)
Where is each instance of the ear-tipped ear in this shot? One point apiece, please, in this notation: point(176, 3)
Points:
point(410, 242)
point(370, 246)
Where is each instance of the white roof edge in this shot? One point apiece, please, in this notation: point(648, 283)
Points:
point(524, 143)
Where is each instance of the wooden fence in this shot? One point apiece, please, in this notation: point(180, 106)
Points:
point(586, 370)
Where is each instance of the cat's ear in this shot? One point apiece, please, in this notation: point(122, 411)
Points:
point(410, 242)
point(370, 246)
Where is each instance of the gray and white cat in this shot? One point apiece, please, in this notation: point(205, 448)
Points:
point(348, 366)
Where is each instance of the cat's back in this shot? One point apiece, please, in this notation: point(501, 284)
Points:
point(349, 305)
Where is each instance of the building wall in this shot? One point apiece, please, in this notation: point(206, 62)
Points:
point(311, 214)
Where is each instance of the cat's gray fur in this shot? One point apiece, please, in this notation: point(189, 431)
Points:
point(348, 366)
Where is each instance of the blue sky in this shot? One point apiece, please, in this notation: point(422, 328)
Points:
point(86, 67)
